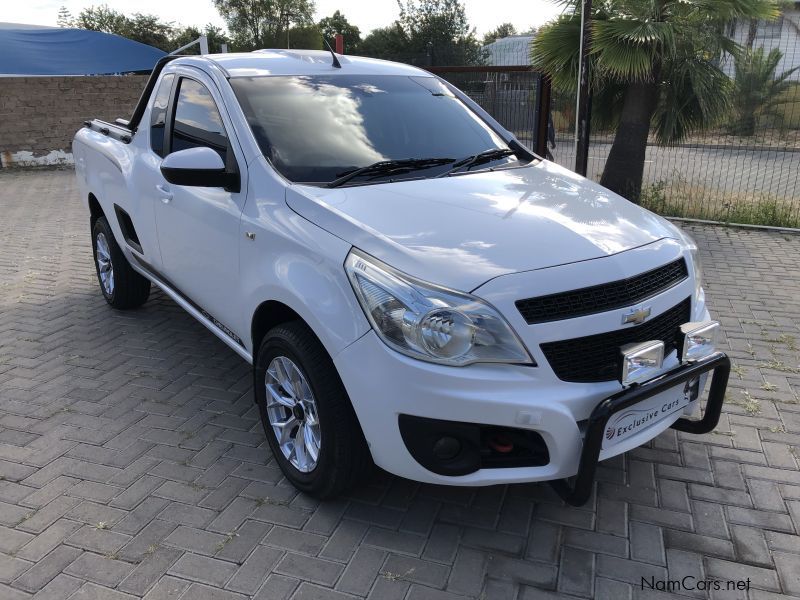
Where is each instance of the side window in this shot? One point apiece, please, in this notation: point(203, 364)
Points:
point(158, 114)
point(197, 121)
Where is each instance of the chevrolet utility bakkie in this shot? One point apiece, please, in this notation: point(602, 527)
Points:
point(412, 285)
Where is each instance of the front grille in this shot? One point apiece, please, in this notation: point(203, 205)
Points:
point(599, 298)
point(596, 357)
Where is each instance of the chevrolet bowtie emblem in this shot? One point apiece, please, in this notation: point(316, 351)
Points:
point(637, 316)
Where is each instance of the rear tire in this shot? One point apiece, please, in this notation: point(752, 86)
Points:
point(122, 287)
point(315, 411)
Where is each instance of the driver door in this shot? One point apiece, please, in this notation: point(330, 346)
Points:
point(198, 227)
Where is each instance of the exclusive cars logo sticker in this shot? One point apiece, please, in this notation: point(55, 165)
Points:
point(637, 315)
point(631, 421)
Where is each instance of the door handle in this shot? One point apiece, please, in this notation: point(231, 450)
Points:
point(166, 195)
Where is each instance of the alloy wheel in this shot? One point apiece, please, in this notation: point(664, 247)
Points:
point(104, 266)
point(292, 414)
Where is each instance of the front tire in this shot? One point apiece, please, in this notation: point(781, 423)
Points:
point(307, 416)
point(122, 287)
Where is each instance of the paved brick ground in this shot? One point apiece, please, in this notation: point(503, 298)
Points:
point(132, 462)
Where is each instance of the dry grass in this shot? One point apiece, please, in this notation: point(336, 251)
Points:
point(775, 138)
point(789, 108)
point(682, 199)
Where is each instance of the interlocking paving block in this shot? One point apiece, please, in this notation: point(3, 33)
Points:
point(304, 568)
point(149, 571)
point(46, 569)
point(11, 568)
point(203, 569)
point(132, 464)
point(255, 569)
point(99, 569)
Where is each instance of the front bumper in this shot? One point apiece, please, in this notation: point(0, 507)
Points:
point(383, 384)
point(577, 491)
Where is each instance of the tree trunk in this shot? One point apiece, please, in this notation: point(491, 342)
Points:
point(625, 165)
point(751, 34)
point(747, 125)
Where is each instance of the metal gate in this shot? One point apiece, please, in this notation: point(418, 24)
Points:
point(517, 96)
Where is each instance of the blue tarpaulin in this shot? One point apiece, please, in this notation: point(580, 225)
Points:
point(56, 51)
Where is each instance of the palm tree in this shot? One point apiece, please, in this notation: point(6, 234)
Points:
point(655, 65)
point(757, 88)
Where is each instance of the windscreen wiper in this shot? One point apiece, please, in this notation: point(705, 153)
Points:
point(390, 167)
point(477, 159)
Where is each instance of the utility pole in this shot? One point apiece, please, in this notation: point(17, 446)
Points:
point(289, 17)
point(583, 110)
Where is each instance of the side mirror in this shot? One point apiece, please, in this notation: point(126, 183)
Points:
point(199, 167)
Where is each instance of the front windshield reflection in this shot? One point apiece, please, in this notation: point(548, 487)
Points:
point(309, 117)
point(313, 128)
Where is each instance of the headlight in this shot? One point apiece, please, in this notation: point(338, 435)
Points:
point(691, 245)
point(428, 322)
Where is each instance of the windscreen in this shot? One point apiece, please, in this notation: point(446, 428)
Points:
point(315, 128)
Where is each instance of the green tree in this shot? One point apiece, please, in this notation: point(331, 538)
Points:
point(499, 32)
point(655, 66)
point(440, 30)
point(184, 35)
point(428, 32)
point(305, 37)
point(147, 29)
point(263, 23)
point(102, 18)
point(338, 23)
point(64, 18)
point(387, 43)
point(757, 88)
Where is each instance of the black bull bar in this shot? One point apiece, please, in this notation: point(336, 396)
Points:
point(577, 490)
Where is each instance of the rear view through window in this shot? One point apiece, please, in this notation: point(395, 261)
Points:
point(314, 128)
point(197, 120)
point(158, 114)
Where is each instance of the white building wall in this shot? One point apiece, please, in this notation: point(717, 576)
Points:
point(787, 41)
point(514, 50)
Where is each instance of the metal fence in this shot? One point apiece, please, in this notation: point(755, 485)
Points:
point(743, 169)
point(719, 174)
point(511, 94)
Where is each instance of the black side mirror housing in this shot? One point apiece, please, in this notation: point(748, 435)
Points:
point(199, 167)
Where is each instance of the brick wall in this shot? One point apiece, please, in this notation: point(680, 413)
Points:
point(39, 115)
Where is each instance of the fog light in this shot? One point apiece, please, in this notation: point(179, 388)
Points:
point(641, 361)
point(446, 448)
point(698, 340)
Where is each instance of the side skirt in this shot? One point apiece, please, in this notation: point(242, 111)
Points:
point(233, 341)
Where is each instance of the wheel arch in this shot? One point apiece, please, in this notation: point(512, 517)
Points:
point(95, 210)
point(269, 314)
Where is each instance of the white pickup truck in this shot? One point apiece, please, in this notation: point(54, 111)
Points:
point(412, 286)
